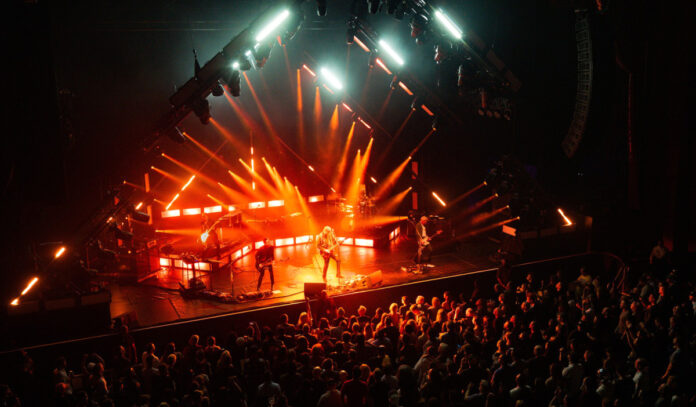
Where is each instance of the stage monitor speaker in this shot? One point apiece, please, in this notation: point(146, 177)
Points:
point(374, 279)
point(312, 290)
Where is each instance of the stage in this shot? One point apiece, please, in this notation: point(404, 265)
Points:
point(157, 300)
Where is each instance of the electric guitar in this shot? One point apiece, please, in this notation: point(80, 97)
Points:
point(326, 252)
point(267, 263)
point(424, 241)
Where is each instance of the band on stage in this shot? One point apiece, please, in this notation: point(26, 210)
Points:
point(327, 245)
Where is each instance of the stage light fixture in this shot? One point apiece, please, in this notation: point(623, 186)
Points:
point(448, 24)
point(272, 25)
point(394, 82)
point(201, 108)
point(374, 6)
point(244, 64)
point(101, 252)
point(405, 88)
point(306, 68)
point(441, 53)
point(138, 215)
point(427, 110)
point(234, 82)
point(29, 286)
point(361, 44)
point(295, 26)
point(418, 24)
point(176, 135)
point(390, 51)
point(440, 200)
point(415, 103)
point(249, 57)
point(464, 79)
point(351, 31)
point(331, 79)
point(59, 252)
point(218, 90)
point(120, 233)
point(381, 65)
point(261, 53)
point(350, 36)
point(565, 218)
point(321, 8)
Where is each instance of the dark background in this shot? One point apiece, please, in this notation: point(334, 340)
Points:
point(86, 81)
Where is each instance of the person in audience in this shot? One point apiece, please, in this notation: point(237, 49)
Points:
point(355, 392)
point(545, 341)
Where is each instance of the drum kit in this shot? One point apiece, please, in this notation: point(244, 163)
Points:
point(366, 207)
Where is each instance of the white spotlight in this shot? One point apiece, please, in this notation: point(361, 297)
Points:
point(449, 24)
point(331, 78)
point(272, 25)
point(391, 52)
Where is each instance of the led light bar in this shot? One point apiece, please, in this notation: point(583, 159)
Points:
point(272, 25)
point(306, 68)
point(405, 88)
point(449, 24)
point(59, 252)
point(331, 78)
point(361, 44)
point(391, 52)
point(381, 65)
point(439, 199)
point(426, 110)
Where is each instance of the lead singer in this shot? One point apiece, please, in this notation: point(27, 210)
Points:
point(327, 245)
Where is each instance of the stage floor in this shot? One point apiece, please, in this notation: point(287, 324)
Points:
point(157, 301)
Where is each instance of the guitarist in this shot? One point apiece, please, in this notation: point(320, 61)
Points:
point(264, 260)
point(327, 244)
point(424, 248)
point(209, 236)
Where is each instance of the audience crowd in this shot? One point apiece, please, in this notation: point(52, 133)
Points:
point(580, 341)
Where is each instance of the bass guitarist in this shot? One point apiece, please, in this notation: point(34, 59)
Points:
point(327, 245)
point(264, 260)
